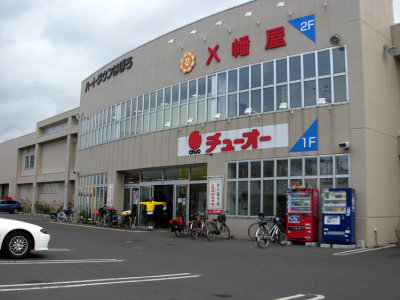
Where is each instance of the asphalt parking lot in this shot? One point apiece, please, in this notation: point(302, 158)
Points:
point(91, 262)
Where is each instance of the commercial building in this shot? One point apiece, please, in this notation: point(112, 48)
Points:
point(228, 112)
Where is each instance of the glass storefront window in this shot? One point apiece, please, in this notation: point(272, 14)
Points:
point(132, 178)
point(268, 197)
point(198, 173)
point(151, 175)
point(231, 198)
point(311, 166)
point(176, 174)
point(269, 168)
point(255, 169)
point(243, 169)
point(231, 174)
point(255, 193)
point(243, 198)
point(342, 165)
point(296, 167)
point(282, 168)
point(256, 75)
point(326, 166)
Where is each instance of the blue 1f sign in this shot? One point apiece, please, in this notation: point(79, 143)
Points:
point(306, 25)
point(309, 140)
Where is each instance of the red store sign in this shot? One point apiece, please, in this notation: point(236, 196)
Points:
point(265, 137)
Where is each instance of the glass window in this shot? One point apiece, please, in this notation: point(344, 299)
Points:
point(175, 116)
point(281, 188)
point(268, 100)
point(211, 108)
point(256, 75)
point(146, 102)
point(167, 99)
point(269, 168)
point(309, 93)
point(281, 95)
point(339, 62)
point(184, 92)
point(342, 165)
point(153, 97)
point(123, 112)
point(311, 183)
point(133, 127)
point(268, 72)
point(176, 174)
point(153, 175)
point(339, 83)
point(221, 105)
point(140, 105)
point(255, 169)
point(268, 197)
point(295, 68)
point(128, 109)
point(175, 94)
point(243, 169)
point(325, 184)
point(309, 65)
point(192, 90)
point(139, 124)
point(255, 197)
point(232, 81)
point(201, 111)
point(192, 111)
point(324, 63)
point(282, 168)
point(167, 116)
point(325, 89)
point(256, 100)
point(281, 70)
point(160, 124)
point(232, 105)
point(243, 102)
point(296, 167)
point(198, 173)
point(183, 114)
point(311, 166)
point(202, 87)
point(160, 97)
point(295, 95)
point(221, 83)
point(243, 78)
point(146, 119)
point(231, 170)
point(243, 204)
point(231, 197)
point(326, 166)
point(211, 85)
point(342, 182)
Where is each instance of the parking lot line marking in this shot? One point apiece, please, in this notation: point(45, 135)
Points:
point(93, 282)
point(291, 297)
point(66, 261)
point(314, 297)
point(358, 251)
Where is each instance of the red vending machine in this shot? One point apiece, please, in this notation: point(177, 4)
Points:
point(302, 214)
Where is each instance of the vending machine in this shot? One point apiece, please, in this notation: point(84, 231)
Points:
point(302, 214)
point(338, 216)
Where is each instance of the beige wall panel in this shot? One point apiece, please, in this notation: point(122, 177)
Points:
point(53, 156)
point(25, 195)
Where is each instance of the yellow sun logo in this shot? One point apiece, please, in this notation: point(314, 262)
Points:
point(188, 61)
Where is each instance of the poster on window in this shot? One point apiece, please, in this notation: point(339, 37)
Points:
point(135, 197)
point(110, 195)
point(214, 204)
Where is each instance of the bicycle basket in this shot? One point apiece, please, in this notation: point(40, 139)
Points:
point(204, 217)
point(221, 218)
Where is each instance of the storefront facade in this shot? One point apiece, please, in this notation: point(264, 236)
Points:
point(228, 112)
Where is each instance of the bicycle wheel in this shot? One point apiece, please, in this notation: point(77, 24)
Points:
point(252, 231)
point(181, 231)
point(194, 233)
point(211, 231)
point(53, 218)
point(225, 232)
point(262, 237)
point(281, 237)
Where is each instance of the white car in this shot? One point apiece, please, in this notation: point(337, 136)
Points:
point(18, 239)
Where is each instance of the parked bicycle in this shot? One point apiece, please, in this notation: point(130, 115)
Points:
point(63, 216)
point(277, 233)
point(214, 230)
point(126, 220)
point(199, 225)
point(254, 226)
point(179, 227)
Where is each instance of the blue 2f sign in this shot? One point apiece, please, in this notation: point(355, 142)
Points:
point(306, 25)
point(309, 140)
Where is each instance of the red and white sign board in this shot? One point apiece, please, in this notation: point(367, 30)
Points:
point(265, 137)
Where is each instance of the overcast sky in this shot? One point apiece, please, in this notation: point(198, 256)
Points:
point(48, 47)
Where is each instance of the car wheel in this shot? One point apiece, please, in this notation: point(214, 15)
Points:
point(15, 211)
point(17, 245)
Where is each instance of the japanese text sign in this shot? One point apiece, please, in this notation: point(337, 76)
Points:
point(265, 137)
point(215, 196)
